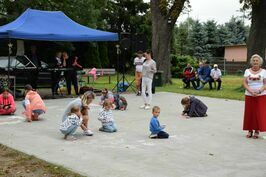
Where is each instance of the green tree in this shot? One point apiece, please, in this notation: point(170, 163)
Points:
point(125, 16)
point(212, 41)
point(256, 43)
point(164, 16)
point(224, 35)
point(182, 43)
point(237, 31)
point(198, 38)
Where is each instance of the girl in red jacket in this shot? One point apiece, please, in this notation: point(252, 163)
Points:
point(7, 104)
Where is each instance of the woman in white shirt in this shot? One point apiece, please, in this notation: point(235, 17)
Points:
point(255, 98)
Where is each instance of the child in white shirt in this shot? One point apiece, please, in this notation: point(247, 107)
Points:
point(106, 117)
point(71, 123)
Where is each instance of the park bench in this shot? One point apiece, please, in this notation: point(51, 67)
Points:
point(99, 73)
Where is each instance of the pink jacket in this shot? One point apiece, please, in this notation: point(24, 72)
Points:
point(33, 101)
point(7, 101)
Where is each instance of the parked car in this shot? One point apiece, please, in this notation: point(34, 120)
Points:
point(20, 67)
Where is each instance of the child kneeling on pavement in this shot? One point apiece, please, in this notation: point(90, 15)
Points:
point(155, 127)
point(193, 107)
point(106, 117)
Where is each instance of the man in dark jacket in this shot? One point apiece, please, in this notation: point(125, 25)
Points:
point(193, 107)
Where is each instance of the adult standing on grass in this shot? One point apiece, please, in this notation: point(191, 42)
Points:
point(148, 70)
point(83, 103)
point(255, 98)
point(67, 73)
point(138, 61)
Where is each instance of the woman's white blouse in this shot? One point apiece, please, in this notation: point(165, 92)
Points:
point(255, 81)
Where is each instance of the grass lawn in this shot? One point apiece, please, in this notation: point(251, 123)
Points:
point(17, 164)
point(231, 87)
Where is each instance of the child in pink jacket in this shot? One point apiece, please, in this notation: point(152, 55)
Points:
point(33, 104)
point(7, 104)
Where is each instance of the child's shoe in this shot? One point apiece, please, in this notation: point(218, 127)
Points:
point(153, 136)
point(88, 132)
point(142, 107)
point(147, 107)
point(71, 138)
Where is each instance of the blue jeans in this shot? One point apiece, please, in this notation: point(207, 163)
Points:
point(70, 131)
point(36, 111)
point(203, 82)
point(109, 127)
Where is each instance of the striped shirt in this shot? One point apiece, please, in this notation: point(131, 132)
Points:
point(72, 119)
point(106, 116)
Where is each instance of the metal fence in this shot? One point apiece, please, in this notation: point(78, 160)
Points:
point(229, 67)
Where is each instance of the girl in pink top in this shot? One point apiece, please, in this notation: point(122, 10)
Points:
point(33, 104)
point(7, 104)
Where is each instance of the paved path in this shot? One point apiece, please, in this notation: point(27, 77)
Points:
point(214, 146)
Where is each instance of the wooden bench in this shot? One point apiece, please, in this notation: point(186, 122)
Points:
point(99, 73)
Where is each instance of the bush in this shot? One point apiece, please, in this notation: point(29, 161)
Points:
point(239, 72)
point(224, 72)
point(179, 63)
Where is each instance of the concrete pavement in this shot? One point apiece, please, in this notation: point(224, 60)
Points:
point(214, 146)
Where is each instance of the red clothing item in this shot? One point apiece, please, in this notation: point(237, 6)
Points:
point(255, 113)
point(7, 102)
point(189, 73)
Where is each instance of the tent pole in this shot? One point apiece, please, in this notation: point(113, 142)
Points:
point(9, 53)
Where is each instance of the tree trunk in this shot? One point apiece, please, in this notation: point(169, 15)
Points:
point(162, 32)
point(257, 37)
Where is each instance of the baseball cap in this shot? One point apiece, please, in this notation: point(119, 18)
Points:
point(215, 66)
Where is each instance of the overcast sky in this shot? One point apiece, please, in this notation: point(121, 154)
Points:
point(219, 10)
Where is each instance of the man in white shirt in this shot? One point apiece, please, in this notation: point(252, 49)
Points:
point(138, 61)
point(216, 76)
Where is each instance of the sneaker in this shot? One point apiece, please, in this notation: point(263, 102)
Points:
point(147, 107)
point(142, 107)
point(71, 138)
point(152, 136)
point(139, 93)
point(88, 132)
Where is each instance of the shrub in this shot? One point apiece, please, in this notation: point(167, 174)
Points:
point(239, 72)
point(179, 63)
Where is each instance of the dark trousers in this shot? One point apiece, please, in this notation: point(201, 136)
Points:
point(188, 80)
point(56, 76)
point(71, 77)
point(162, 135)
point(33, 78)
point(219, 83)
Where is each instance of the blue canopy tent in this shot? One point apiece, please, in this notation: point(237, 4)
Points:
point(51, 26)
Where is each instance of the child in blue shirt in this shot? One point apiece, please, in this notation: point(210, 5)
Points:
point(155, 127)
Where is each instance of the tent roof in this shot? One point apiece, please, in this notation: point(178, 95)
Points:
point(51, 26)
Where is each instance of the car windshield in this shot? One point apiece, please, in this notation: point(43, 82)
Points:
point(14, 63)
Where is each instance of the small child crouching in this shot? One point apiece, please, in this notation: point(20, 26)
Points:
point(155, 127)
point(106, 117)
point(193, 107)
point(71, 123)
